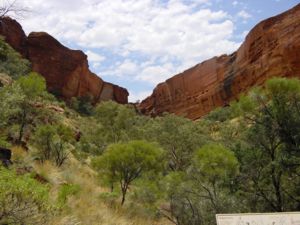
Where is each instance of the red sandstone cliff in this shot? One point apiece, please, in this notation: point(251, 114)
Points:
point(272, 48)
point(66, 71)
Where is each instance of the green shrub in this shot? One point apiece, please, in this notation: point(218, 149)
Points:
point(65, 191)
point(22, 199)
point(11, 62)
point(83, 104)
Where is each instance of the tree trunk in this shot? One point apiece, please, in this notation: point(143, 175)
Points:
point(124, 190)
point(123, 197)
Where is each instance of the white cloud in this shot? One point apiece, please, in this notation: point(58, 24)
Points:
point(244, 15)
point(235, 3)
point(138, 96)
point(128, 67)
point(94, 57)
point(156, 73)
point(96, 65)
point(245, 33)
point(158, 38)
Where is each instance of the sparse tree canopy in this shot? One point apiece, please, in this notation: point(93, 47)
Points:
point(52, 140)
point(127, 162)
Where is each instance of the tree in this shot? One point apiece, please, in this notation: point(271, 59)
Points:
point(184, 207)
point(116, 120)
point(204, 190)
point(10, 98)
point(111, 122)
point(127, 162)
point(12, 62)
point(33, 86)
point(213, 167)
point(180, 137)
point(83, 104)
point(20, 203)
point(271, 162)
point(51, 141)
point(12, 8)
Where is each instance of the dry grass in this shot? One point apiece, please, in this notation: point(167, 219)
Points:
point(86, 207)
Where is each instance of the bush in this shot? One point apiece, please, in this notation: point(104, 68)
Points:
point(83, 104)
point(125, 163)
point(12, 62)
point(22, 199)
point(51, 141)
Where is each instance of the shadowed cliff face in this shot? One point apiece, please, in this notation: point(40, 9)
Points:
point(66, 71)
point(272, 48)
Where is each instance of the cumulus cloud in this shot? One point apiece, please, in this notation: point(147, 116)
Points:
point(235, 3)
point(94, 57)
point(138, 96)
point(148, 40)
point(244, 15)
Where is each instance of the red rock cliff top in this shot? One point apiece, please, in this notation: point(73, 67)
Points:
point(272, 48)
point(66, 71)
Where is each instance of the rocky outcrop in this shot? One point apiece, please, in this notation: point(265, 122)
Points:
point(272, 48)
point(13, 33)
point(66, 71)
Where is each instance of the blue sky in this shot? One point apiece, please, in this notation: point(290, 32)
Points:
point(140, 43)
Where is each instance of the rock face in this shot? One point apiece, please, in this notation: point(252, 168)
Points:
point(66, 71)
point(13, 33)
point(272, 48)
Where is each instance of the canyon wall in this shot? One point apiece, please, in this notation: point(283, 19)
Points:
point(272, 48)
point(66, 71)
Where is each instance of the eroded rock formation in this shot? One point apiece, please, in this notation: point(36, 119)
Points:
point(66, 71)
point(272, 48)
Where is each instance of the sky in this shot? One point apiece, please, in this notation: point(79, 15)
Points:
point(137, 44)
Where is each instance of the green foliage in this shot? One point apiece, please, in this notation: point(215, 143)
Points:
point(10, 99)
point(215, 163)
point(21, 103)
point(197, 194)
point(65, 191)
point(33, 85)
point(242, 158)
point(147, 191)
point(83, 104)
point(112, 123)
point(180, 137)
point(4, 143)
point(12, 62)
point(92, 141)
point(127, 162)
point(22, 199)
point(220, 114)
point(270, 161)
point(51, 142)
point(116, 121)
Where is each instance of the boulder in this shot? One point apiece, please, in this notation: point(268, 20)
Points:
point(5, 156)
point(13, 34)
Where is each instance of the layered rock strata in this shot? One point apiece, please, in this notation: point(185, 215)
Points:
point(272, 48)
point(66, 71)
